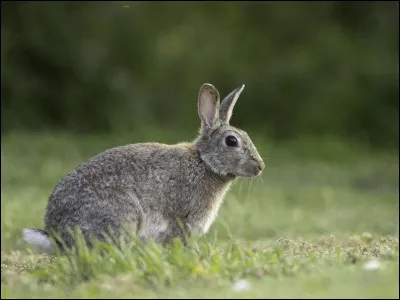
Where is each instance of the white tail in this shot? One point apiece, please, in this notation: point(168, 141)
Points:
point(38, 239)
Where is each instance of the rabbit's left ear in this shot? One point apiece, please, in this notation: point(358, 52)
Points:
point(227, 105)
point(208, 106)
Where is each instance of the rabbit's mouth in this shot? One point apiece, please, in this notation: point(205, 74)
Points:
point(253, 173)
point(253, 169)
point(259, 172)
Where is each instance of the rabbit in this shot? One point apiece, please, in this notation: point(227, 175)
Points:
point(151, 188)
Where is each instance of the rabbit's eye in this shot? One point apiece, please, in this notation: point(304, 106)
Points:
point(231, 141)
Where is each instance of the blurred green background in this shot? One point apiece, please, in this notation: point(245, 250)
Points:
point(320, 103)
point(319, 69)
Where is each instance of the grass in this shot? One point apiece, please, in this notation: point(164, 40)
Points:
point(322, 221)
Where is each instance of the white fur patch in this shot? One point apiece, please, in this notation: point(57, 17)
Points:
point(155, 227)
point(214, 211)
point(38, 240)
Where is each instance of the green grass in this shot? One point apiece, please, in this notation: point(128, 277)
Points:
point(307, 228)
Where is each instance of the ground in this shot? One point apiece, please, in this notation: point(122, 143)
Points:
point(322, 221)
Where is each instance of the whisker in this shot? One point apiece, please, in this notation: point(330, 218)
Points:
point(239, 189)
point(262, 180)
point(248, 190)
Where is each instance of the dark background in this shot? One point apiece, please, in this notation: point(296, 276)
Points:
point(310, 68)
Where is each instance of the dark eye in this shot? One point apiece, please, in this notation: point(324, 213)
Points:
point(231, 141)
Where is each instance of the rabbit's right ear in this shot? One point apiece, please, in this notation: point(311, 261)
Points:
point(228, 104)
point(208, 107)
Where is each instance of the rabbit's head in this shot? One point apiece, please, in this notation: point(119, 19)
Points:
point(225, 149)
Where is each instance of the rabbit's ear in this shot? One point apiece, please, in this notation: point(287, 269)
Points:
point(208, 106)
point(225, 112)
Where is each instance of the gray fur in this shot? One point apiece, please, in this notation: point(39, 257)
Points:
point(228, 104)
point(147, 187)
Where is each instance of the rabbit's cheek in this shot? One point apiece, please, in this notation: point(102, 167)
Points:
point(237, 163)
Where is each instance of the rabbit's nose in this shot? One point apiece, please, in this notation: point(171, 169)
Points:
point(261, 165)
